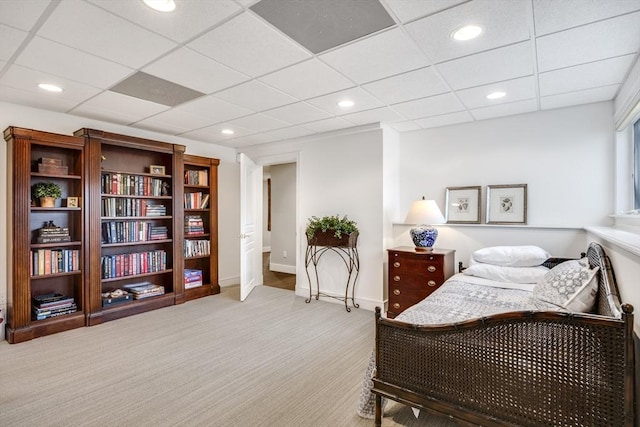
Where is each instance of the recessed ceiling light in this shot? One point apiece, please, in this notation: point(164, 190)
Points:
point(50, 87)
point(227, 131)
point(161, 5)
point(467, 32)
point(496, 95)
point(346, 103)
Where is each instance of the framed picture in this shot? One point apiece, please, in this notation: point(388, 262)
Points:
point(463, 205)
point(156, 170)
point(72, 202)
point(507, 204)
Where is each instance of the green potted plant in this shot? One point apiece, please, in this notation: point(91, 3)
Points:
point(332, 231)
point(47, 192)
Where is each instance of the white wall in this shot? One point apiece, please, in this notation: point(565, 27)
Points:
point(565, 156)
point(228, 181)
point(283, 218)
point(340, 173)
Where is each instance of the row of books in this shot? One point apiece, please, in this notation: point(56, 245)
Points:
point(132, 231)
point(144, 290)
point(196, 248)
point(196, 200)
point(51, 233)
point(193, 225)
point(43, 262)
point(192, 278)
point(133, 185)
point(51, 305)
point(112, 206)
point(196, 177)
point(122, 265)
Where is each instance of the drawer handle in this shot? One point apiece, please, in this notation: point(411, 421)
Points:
point(396, 278)
point(431, 268)
point(396, 305)
point(396, 264)
point(431, 283)
point(396, 291)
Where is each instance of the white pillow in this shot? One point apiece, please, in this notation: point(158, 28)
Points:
point(512, 256)
point(507, 274)
point(571, 285)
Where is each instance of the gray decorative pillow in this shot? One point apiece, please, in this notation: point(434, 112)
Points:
point(571, 285)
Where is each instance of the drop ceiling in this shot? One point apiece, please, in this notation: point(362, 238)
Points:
point(243, 73)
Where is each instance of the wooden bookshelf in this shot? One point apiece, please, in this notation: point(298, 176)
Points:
point(200, 200)
point(64, 271)
point(127, 177)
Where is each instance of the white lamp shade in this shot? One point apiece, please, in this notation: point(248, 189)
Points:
point(425, 212)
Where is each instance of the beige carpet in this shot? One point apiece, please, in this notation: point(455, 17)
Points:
point(270, 361)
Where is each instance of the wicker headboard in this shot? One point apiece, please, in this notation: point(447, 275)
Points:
point(608, 303)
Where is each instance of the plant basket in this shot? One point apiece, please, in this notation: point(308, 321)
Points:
point(328, 238)
point(47, 202)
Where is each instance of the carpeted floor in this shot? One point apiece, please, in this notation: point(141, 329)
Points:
point(269, 361)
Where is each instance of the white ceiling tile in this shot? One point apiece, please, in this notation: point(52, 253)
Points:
point(327, 125)
point(250, 46)
point(518, 107)
point(444, 120)
point(189, 19)
point(307, 79)
point(255, 96)
point(81, 25)
point(22, 14)
point(28, 80)
point(43, 101)
point(255, 139)
point(407, 126)
point(259, 123)
point(214, 133)
point(594, 74)
point(59, 60)
point(503, 22)
point(553, 15)
point(176, 121)
point(290, 132)
point(117, 108)
point(432, 106)
point(377, 115)
point(604, 39)
point(407, 10)
point(297, 113)
point(194, 70)
point(376, 57)
point(588, 96)
point(11, 41)
point(407, 86)
point(516, 90)
point(493, 66)
point(218, 109)
point(363, 101)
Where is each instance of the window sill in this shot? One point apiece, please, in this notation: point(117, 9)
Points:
point(627, 240)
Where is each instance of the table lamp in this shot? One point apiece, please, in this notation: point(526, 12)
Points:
point(424, 212)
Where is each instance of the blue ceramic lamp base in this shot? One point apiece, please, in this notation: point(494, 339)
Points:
point(424, 237)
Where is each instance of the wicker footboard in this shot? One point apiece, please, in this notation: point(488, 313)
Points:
point(525, 369)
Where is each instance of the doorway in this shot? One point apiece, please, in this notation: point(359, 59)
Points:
point(279, 240)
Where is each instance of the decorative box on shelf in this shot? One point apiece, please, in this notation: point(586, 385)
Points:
point(116, 297)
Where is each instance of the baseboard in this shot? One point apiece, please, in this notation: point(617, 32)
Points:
point(282, 268)
point(229, 281)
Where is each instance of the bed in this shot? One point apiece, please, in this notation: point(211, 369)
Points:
point(491, 355)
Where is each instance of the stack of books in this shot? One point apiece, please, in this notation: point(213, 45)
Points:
point(52, 305)
point(158, 232)
point(144, 290)
point(193, 225)
point(51, 233)
point(155, 210)
point(192, 278)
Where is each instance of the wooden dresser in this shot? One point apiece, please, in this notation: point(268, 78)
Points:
point(414, 275)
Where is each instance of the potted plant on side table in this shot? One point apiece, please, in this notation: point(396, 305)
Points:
point(47, 192)
point(332, 231)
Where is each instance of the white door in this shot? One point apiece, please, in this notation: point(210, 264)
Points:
point(250, 226)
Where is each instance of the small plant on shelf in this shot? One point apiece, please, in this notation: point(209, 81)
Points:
point(334, 223)
point(46, 192)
